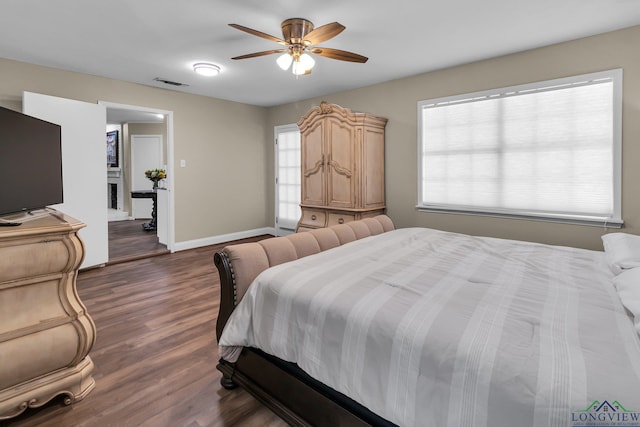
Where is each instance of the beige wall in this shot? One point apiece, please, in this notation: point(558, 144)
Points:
point(397, 100)
point(223, 189)
point(227, 184)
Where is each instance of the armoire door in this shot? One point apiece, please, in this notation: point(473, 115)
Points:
point(340, 170)
point(313, 166)
point(373, 168)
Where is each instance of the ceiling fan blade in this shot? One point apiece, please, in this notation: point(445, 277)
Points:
point(263, 53)
point(341, 55)
point(323, 33)
point(258, 33)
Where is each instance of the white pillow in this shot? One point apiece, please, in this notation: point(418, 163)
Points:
point(627, 284)
point(622, 251)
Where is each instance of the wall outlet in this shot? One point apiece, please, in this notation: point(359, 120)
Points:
point(183, 163)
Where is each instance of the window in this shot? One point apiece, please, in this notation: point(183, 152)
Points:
point(548, 150)
point(287, 176)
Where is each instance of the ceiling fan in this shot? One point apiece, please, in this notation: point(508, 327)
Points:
point(299, 39)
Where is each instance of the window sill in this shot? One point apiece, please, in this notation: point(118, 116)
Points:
point(574, 220)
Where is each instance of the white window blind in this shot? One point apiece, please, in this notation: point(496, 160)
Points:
point(288, 186)
point(545, 150)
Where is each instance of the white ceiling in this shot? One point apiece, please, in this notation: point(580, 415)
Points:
point(139, 40)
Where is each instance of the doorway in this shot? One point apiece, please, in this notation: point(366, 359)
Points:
point(146, 154)
point(130, 236)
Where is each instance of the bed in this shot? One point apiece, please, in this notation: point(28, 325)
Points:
point(362, 324)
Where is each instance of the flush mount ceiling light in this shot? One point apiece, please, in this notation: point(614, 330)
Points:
point(299, 40)
point(206, 69)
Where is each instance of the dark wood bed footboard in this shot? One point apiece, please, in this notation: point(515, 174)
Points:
point(293, 395)
point(227, 291)
point(282, 386)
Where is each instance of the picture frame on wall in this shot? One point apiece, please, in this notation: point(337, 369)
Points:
point(112, 149)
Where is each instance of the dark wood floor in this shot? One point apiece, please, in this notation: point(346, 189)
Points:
point(129, 241)
point(156, 351)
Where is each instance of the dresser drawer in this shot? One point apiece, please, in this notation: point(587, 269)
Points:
point(33, 257)
point(311, 218)
point(340, 218)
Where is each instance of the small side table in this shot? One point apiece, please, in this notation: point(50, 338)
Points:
point(148, 194)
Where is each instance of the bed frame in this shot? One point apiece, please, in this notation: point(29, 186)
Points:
point(282, 386)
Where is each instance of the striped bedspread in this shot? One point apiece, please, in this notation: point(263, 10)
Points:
point(428, 328)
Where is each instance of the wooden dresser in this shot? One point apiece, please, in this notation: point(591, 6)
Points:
point(342, 162)
point(45, 331)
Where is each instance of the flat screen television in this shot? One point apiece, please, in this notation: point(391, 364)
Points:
point(30, 163)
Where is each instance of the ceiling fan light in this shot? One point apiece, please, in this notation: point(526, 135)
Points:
point(284, 61)
point(206, 69)
point(306, 61)
point(297, 68)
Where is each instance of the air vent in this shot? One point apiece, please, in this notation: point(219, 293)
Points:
point(169, 82)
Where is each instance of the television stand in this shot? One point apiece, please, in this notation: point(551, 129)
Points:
point(45, 330)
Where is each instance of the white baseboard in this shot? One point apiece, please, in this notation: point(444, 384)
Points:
point(115, 215)
point(284, 231)
point(214, 240)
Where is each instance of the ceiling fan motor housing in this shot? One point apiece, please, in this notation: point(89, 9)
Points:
point(294, 30)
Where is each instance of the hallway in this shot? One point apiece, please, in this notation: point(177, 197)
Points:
point(128, 241)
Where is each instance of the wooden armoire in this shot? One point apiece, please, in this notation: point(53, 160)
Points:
point(342, 155)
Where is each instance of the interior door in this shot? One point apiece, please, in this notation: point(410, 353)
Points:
point(84, 166)
point(146, 153)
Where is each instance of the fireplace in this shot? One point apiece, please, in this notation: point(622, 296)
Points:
point(115, 195)
point(112, 196)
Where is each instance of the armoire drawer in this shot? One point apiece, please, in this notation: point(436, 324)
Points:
point(339, 218)
point(313, 218)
